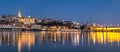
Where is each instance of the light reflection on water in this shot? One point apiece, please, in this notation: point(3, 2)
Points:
point(30, 39)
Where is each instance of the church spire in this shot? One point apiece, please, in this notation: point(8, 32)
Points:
point(19, 13)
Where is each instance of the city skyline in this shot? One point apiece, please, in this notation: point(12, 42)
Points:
point(99, 11)
point(59, 25)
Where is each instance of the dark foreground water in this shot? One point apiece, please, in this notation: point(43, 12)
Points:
point(47, 41)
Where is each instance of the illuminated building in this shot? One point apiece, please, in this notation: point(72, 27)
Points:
point(19, 14)
point(27, 20)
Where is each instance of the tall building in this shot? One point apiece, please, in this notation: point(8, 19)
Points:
point(19, 13)
point(25, 20)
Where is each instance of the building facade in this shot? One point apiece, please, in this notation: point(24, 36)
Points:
point(26, 20)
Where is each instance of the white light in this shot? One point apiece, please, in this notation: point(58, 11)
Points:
point(29, 16)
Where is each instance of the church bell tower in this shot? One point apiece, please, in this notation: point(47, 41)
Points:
point(19, 14)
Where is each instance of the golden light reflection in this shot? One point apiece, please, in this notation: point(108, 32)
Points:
point(21, 39)
point(105, 37)
point(25, 38)
point(28, 39)
point(58, 36)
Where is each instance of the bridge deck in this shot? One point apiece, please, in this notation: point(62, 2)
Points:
point(105, 28)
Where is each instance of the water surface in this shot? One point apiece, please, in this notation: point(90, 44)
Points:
point(56, 41)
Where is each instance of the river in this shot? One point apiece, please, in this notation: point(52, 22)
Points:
point(57, 41)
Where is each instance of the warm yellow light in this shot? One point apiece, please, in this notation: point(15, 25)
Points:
point(103, 37)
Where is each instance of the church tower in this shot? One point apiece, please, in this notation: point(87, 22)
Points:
point(19, 14)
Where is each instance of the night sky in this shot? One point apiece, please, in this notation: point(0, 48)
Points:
point(99, 11)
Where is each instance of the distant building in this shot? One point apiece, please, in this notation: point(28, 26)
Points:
point(25, 20)
point(35, 26)
point(19, 14)
point(38, 20)
point(94, 24)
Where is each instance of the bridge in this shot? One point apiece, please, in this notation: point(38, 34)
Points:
point(105, 28)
